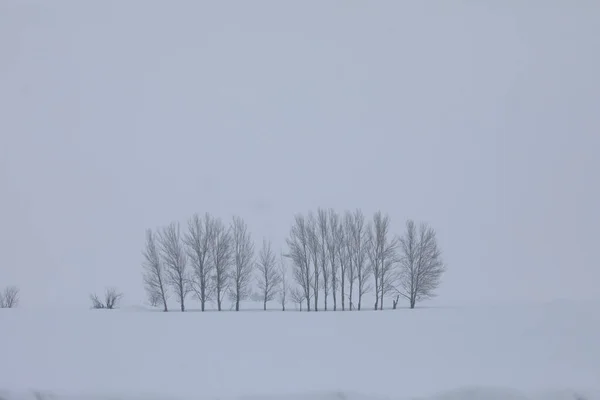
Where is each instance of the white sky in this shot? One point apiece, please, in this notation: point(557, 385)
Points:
point(481, 118)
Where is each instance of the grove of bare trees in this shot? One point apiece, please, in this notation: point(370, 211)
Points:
point(331, 259)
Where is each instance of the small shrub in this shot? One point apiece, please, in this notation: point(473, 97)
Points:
point(9, 298)
point(112, 297)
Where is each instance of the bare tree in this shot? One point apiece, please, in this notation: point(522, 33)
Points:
point(359, 243)
point(421, 263)
point(112, 297)
point(198, 240)
point(154, 299)
point(344, 258)
point(284, 286)
point(96, 302)
point(297, 295)
point(348, 255)
point(334, 241)
point(322, 233)
point(9, 298)
point(299, 254)
point(314, 250)
point(243, 263)
point(383, 257)
point(154, 274)
point(175, 261)
point(269, 278)
point(221, 253)
point(375, 268)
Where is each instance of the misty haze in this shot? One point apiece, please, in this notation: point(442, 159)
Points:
point(316, 200)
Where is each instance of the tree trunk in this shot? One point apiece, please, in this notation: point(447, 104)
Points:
point(265, 305)
point(307, 304)
point(237, 304)
point(381, 288)
point(376, 293)
point(164, 299)
point(334, 301)
point(350, 297)
point(343, 294)
point(181, 295)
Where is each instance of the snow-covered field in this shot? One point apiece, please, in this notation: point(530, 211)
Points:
point(548, 352)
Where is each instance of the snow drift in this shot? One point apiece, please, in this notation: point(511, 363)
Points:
point(499, 353)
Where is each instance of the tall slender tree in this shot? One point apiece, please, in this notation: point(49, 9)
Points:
point(154, 273)
point(383, 257)
point(284, 288)
point(344, 260)
point(299, 254)
point(175, 261)
point(358, 240)
point(314, 251)
point(349, 259)
point(334, 242)
point(198, 240)
point(269, 278)
point(221, 253)
point(243, 262)
point(322, 233)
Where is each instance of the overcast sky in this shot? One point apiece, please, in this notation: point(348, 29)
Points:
point(480, 118)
